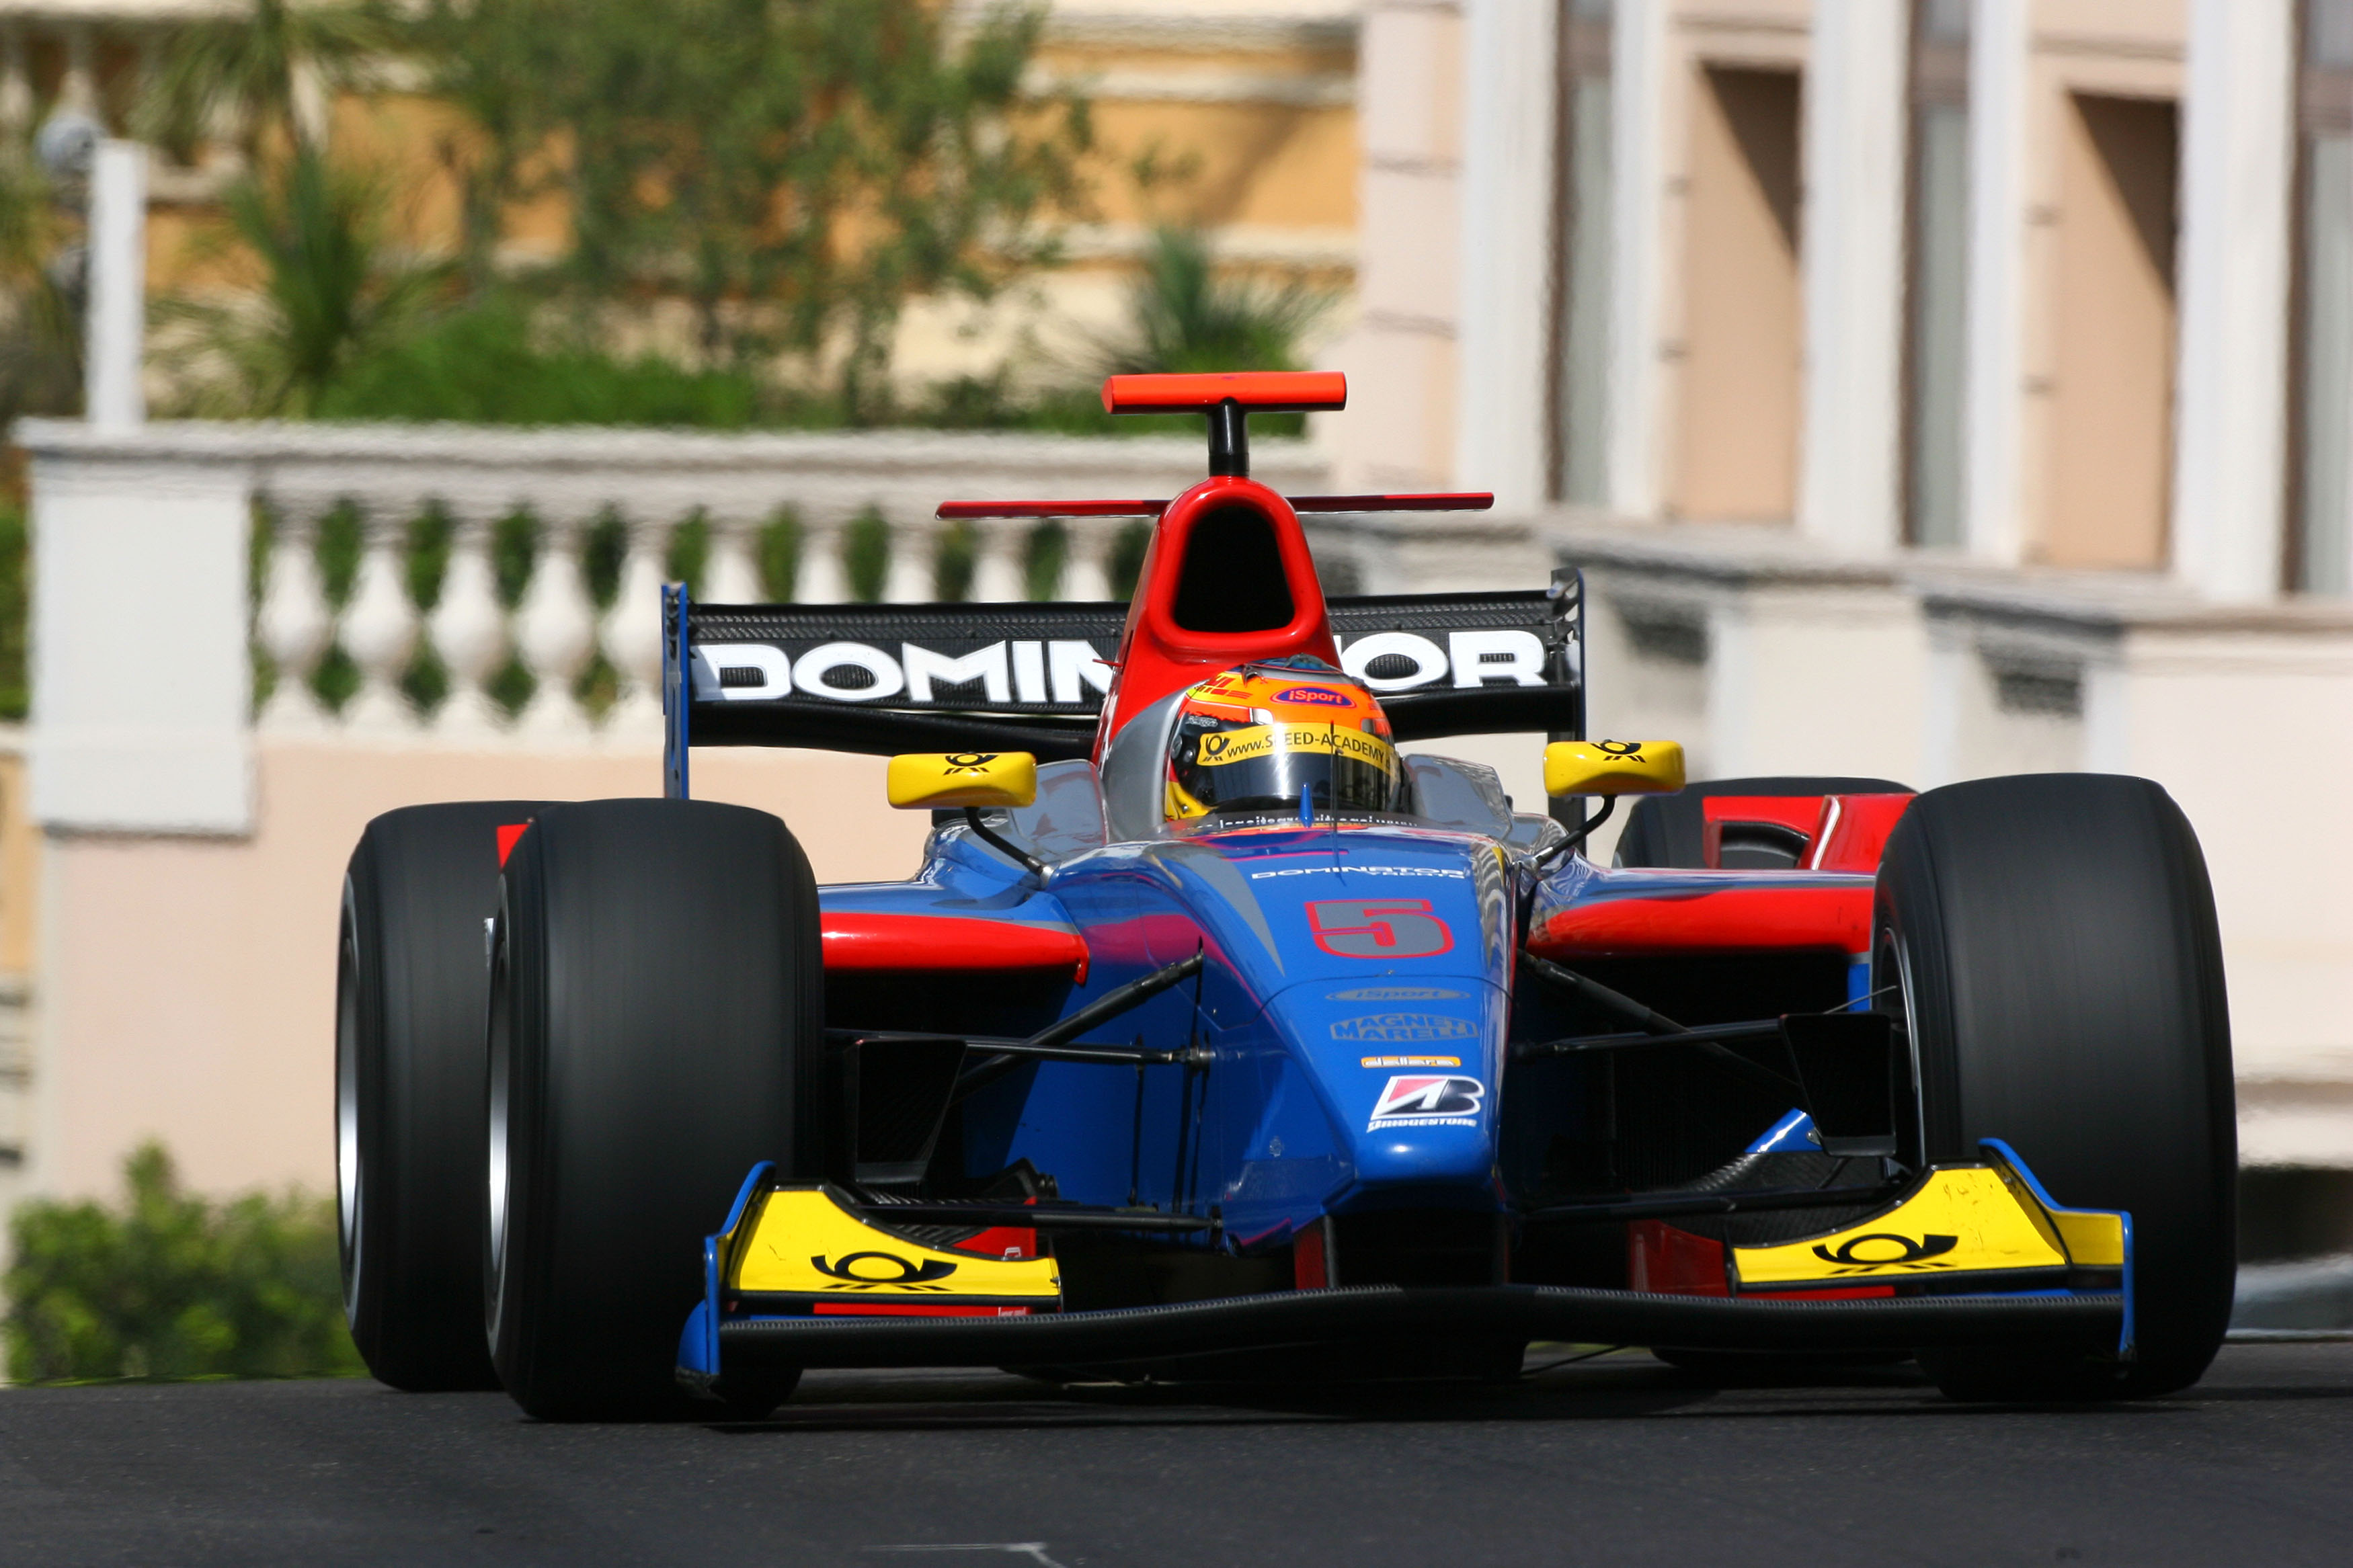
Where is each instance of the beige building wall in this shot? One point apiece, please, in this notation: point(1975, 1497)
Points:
point(190, 991)
point(1401, 356)
point(1741, 329)
point(2103, 173)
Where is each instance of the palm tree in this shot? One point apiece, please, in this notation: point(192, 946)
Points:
point(254, 65)
point(1183, 316)
point(330, 290)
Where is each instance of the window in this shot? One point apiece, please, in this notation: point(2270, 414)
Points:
point(2320, 488)
point(1581, 358)
point(1937, 296)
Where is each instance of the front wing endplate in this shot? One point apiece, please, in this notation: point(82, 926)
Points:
point(801, 1250)
point(1975, 1227)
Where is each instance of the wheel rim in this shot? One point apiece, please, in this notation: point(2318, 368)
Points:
point(350, 1185)
point(502, 1076)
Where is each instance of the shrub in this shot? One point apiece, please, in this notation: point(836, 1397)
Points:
point(174, 1285)
point(489, 365)
point(16, 590)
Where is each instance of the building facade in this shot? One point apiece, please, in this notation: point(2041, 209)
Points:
point(1935, 388)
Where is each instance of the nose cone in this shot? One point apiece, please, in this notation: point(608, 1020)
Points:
point(1408, 1069)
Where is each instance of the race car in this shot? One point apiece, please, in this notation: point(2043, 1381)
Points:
point(1216, 1035)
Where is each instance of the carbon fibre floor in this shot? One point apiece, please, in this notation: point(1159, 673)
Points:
point(1618, 1460)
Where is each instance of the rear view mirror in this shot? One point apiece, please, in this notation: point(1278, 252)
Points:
point(935, 780)
point(1613, 767)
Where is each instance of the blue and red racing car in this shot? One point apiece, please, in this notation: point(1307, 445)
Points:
point(1217, 1037)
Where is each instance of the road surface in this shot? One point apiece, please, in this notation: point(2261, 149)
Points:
point(1618, 1460)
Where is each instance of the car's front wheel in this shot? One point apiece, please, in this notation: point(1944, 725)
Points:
point(656, 1022)
point(2048, 943)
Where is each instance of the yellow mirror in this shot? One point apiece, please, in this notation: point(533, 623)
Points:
point(964, 778)
point(1613, 767)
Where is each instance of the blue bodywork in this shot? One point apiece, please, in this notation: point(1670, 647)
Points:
point(1305, 1109)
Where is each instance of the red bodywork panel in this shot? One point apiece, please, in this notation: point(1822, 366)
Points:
point(939, 943)
point(1157, 656)
point(1260, 391)
point(1430, 501)
point(1842, 832)
point(1745, 918)
point(1663, 1262)
point(1669, 1262)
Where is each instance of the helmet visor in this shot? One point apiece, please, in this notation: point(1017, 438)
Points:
point(1223, 766)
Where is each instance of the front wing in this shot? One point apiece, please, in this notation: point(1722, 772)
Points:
point(1970, 1254)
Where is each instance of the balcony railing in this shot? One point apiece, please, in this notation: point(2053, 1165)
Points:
point(497, 586)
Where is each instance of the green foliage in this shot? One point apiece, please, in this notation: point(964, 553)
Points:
point(331, 293)
point(866, 555)
point(794, 169)
point(780, 555)
point(604, 551)
point(430, 533)
point(598, 685)
point(336, 678)
point(425, 681)
point(342, 537)
point(1126, 563)
point(487, 366)
point(1043, 556)
point(15, 600)
point(689, 557)
point(512, 687)
point(171, 1285)
point(515, 550)
point(1184, 316)
point(954, 562)
point(249, 64)
point(41, 320)
point(260, 539)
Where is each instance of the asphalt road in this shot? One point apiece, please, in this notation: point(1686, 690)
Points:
point(1619, 1460)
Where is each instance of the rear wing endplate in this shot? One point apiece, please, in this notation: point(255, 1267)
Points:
point(887, 678)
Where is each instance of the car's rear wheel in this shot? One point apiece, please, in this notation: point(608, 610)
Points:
point(411, 992)
point(655, 1023)
point(2050, 947)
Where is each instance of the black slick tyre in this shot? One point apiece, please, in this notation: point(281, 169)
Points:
point(2053, 942)
point(656, 1025)
point(412, 1000)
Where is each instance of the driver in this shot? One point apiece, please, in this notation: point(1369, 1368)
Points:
point(1254, 738)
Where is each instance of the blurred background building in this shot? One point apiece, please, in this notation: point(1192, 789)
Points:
point(1930, 389)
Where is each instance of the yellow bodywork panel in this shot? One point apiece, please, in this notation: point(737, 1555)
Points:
point(803, 1243)
point(1963, 1219)
point(1613, 767)
point(942, 779)
point(2092, 1238)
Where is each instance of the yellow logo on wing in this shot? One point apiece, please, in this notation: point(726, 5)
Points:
point(1962, 1219)
point(804, 1243)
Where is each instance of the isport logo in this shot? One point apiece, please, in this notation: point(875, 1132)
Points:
point(1422, 1099)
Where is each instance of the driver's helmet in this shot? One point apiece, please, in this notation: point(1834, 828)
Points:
point(1251, 738)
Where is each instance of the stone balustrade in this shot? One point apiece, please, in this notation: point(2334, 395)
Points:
point(487, 587)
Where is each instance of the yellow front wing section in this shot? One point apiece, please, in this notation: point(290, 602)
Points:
point(1964, 1226)
point(800, 1242)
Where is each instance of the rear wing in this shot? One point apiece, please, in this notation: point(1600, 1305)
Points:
point(887, 678)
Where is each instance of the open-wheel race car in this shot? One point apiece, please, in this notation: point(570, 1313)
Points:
point(1216, 1037)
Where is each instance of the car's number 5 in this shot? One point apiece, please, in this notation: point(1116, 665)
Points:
point(1378, 928)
